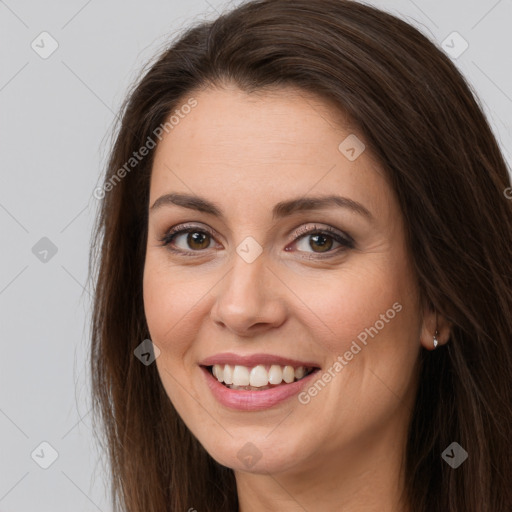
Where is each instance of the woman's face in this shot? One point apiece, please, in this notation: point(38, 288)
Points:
point(259, 284)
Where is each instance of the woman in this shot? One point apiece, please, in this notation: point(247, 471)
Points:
point(303, 290)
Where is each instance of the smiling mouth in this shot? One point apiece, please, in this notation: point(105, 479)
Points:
point(258, 378)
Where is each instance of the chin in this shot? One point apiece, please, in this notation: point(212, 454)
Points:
point(256, 453)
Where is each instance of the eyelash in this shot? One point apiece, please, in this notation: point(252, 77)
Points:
point(345, 240)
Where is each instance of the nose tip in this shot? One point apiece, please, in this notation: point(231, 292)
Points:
point(247, 300)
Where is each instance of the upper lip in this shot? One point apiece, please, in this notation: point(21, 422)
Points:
point(254, 360)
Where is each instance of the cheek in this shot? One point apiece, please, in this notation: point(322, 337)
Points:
point(169, 306)
point(374, 312)
point(170, 300)
point(340, 306)
point(366, 319)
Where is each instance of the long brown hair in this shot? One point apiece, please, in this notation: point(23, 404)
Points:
point(421, 119)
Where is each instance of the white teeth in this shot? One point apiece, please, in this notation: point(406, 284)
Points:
point(220, 374)
point(259, 376)
point(300, 372)
point(228, 373)
point(288, 374)
point(275, 374)
point(241, 376)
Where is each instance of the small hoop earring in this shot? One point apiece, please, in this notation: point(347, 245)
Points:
point(436, 341)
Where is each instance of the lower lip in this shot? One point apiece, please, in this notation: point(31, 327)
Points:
point(244, 400)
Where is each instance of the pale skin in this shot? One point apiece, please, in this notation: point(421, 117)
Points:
point(343, 450)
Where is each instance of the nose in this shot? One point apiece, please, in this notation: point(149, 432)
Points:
point(250, 298)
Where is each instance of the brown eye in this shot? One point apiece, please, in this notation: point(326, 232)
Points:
point(317, 242)
point(324, 242)
point(195, 240)
point(320, 241)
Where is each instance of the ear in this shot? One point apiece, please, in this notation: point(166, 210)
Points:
point(428, 329)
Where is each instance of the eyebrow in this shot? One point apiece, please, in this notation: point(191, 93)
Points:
point(280, 210)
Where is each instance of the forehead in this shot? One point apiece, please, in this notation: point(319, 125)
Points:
point(286, 123)
point(263, 147)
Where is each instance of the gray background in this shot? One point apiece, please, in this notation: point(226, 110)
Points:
point(56, 117)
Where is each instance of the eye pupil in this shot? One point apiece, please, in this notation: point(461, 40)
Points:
point(325, 246)
point(197, 237)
